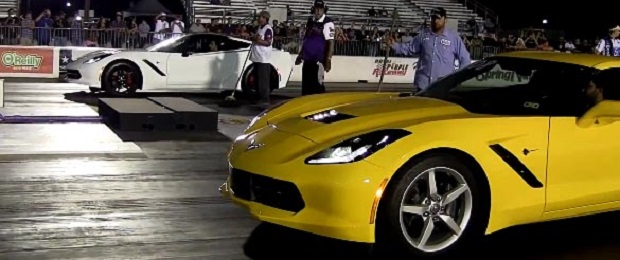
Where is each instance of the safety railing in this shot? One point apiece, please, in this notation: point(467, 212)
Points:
point(136, 39)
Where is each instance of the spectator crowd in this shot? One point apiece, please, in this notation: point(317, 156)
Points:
point(60, 29)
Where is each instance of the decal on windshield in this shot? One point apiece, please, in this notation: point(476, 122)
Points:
point(532, 105)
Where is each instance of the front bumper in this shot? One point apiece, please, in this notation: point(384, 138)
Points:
point(91, 78)
point(336, 201)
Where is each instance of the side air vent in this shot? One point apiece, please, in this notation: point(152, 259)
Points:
point(328, 117)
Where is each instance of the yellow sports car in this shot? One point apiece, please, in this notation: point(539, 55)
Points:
point(512, 139)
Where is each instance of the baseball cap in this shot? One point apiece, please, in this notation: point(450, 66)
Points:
point(319, 4)
point(617, 28)
point(438, 12)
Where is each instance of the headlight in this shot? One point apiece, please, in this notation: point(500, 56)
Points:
point(259, 116)
point(97, 58)
point(357, 148)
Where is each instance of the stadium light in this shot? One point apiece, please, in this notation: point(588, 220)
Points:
point(68, 4)
point(545, 21)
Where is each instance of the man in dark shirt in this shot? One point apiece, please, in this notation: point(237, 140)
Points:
point(44, 26)
point(316, 50)
point(60, 29)
point(12, 22)
point(119, 29)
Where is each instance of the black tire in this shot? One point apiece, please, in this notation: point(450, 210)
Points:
point(227, 93)
point(249, 86)
point(116, 85)
point(390, 237)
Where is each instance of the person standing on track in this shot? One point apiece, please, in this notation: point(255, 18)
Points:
point(438, 48)
point(260, 56)
point(317, 50)
point(610, 45)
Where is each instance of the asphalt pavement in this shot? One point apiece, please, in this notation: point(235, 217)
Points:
point(164, 204)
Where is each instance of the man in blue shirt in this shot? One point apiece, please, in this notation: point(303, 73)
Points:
point(317, 50)
point(438, 48)
point(44, 25)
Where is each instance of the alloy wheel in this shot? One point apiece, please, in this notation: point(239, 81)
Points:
point(123, 80)
point(435, 210)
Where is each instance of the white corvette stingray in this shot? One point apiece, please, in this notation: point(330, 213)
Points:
point(190, 63)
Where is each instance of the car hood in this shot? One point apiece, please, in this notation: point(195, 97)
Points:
point(94, 54)
point(358, 113)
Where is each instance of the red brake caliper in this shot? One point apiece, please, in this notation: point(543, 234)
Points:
point(129, 79)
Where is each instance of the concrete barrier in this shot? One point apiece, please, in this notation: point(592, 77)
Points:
point(1, 93)
point(48, 61)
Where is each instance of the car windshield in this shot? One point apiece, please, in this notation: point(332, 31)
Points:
point(516, 86)
point(168, 45)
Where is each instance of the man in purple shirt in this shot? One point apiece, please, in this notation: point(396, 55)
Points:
point(317, 50)
point(438, 48)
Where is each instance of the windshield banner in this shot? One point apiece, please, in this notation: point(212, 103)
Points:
point(502, 75)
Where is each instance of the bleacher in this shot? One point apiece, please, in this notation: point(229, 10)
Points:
point(239, 10)
point(454, 9)
point(5, 5)
point(411, 13)
point(349, 11)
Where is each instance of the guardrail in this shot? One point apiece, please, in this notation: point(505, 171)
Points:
point(49, 61)
point(133, 39)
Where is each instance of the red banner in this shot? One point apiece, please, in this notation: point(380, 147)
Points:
point(26, 60)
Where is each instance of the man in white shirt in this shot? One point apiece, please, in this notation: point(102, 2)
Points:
point(260, 56)
point(178, 27)
point(161, 28)
point(197, 27)
point(610, 45)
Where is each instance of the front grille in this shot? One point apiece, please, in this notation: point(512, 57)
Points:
point(73, 74)
point(267, 191)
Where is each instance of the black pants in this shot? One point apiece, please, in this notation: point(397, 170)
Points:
point(312, 74)
point(262, 74)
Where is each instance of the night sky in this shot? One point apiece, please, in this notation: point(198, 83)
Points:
point(578, 19)
point(582, 18)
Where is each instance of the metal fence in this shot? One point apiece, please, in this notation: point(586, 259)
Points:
point(134, 39)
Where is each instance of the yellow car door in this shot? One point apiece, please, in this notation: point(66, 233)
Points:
point(583, 164)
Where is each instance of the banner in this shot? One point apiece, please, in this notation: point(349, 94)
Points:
point(64, 57)
point(47, 62)
point(27, 60)
point(392, 68)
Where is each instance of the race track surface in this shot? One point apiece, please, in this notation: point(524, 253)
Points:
point(163, 203)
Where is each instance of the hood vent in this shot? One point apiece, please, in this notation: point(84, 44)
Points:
point(328, 117)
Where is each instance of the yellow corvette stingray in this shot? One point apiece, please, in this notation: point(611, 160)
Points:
point(517, 138)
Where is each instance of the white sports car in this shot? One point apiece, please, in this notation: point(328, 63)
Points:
point(190, 63)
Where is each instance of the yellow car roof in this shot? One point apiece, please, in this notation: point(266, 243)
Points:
point(588, 60)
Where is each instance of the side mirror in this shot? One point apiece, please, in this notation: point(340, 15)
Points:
point(186, 53)
point(604, 113)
